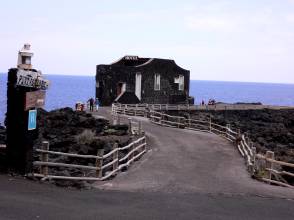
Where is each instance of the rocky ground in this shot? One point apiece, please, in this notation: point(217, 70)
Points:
point(75, 132)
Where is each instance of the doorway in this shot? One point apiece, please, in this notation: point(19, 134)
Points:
point(138, 85)
point(121, 88)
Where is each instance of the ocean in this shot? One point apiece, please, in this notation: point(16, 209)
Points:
point(67, 90)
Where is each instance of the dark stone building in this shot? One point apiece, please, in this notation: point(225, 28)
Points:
point(133, 80)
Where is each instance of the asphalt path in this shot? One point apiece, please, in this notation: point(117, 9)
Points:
point(180, 160)
point(184, 175)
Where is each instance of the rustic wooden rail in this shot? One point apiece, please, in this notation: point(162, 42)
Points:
point(140, 109)
point(256, 163)
point(112, 162)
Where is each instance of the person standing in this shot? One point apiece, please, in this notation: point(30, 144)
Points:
point(97, 104)
point(91, 102)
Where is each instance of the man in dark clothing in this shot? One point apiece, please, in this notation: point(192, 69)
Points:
point(91, 101)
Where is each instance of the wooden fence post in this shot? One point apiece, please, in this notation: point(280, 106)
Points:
point(142, 148)
point(189, 121)
point(210, 122)
point(227, 130)
point(131, 149)
point(140, 127)
point(99, 163)
point(45, 158)
point(130, 125)
point(178, 122)
point(238, 137)
point(253, 152)
point(268, 164)
point(144, 142)
point(114, 119)
point(115, 157)
point(118, 119)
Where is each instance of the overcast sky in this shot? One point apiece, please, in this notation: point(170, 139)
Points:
point(229, 40)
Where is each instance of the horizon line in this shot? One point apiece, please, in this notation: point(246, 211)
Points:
point(206, 80)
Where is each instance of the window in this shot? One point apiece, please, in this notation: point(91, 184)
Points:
point(138, 85)
point(180, 80)
point(26, 60)
point(156, 82)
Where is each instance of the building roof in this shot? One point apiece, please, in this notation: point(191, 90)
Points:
point(136, 61)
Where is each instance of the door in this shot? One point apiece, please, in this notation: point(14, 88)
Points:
point(138, 85)
point(121, 88)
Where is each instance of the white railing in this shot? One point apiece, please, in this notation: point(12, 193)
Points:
point(139, 109)
point(106, 165)
point(260, 166)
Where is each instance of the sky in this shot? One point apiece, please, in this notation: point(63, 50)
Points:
point(226, 40)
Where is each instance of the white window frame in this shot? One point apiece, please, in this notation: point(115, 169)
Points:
point(156, 82)
point(138, 86)
point(181, 82)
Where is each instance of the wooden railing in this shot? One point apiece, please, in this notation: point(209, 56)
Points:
point(139, 109)
point(106, 165)
point(261, 166)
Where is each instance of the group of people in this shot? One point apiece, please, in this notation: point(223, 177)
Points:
point(90, 105)
point(210, 102)
point(93, 102)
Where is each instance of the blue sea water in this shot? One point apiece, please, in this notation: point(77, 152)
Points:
point(63, 91)
point(66, 90)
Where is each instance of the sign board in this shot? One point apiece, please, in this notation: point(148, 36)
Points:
point(131, 57)
point(31, 79)
point(35, 99)
point(32, 121)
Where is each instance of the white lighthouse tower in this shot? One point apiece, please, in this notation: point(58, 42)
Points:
point(25, 57)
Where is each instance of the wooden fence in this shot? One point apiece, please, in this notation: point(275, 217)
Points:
point(106, 165)
point(261, 166)
point(140, 109)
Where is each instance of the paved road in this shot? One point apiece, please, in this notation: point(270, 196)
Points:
point(22, 199)
point(187, 161)
point(184, 175)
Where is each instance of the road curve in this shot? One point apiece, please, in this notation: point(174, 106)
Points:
point(180, 160)
point(184, 175)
